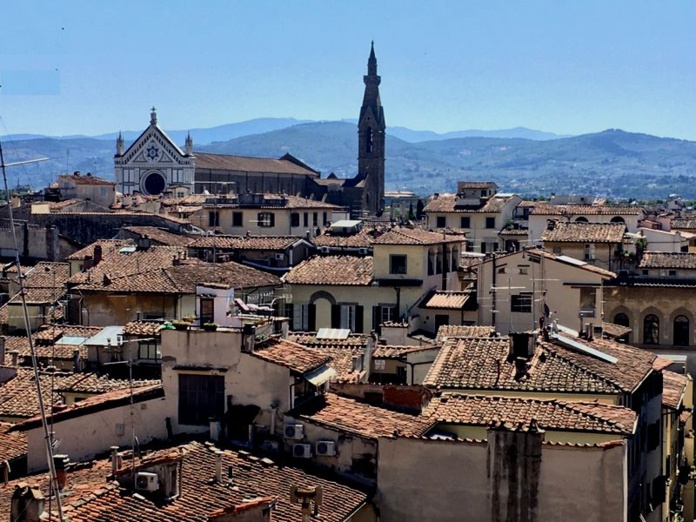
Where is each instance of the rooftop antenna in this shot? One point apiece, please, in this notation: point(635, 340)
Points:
point(27, 326)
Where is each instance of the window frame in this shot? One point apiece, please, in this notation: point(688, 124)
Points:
point(399, 261)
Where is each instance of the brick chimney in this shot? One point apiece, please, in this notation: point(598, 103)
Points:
point(27, 504)
point(97, 255)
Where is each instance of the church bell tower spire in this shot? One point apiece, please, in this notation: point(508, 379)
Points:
point(371, 138)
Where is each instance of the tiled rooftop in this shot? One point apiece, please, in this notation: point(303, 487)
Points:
point(13, 445)
point(362, 239)
point(160, 236)
point(357, 418)
point(386, 351)
point(415, 236)
point(614, 330)
point(291, 355)
point(245, 242)
point(84, 179)
point(669, 260)
point(552, 414)
point(453, 331)
point(142, 328)
point(584, 233)
point(90, 498)
point(684, 223)
point(482, 364)
point(332, 270)
point(544, 209)
point(673, 388)
point(445, 300)
point(207, 161)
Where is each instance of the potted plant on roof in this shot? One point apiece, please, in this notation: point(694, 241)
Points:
point(210, 327)
point(181, 325)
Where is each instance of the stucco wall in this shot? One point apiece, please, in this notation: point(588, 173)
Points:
point(105, 308)
point(81, 438)
point(452, 482)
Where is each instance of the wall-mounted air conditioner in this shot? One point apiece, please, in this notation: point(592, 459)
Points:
point(325, 448)
point(302, 451)
point(294, 431)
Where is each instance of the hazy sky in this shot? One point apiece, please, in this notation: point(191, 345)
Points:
point(87, 67)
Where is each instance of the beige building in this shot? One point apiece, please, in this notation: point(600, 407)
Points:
point(600, 244)
point(360, 293)
point(516, 290)
point(476, 210)
point(87, 188)
point(542, 213)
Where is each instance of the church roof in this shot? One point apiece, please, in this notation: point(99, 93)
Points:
point(205, 160)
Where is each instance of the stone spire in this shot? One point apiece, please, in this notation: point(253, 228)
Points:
point(189, 144)
point(119, 144)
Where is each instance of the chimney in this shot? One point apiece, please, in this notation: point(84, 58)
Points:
point(2, 351)
point(76, 360)
point(521, 345)
point(115, 460)
point(215, 428)
point(521, 368)
point(550, 224)
point(14, 357)
point(218, 466)
point(61, 462)
point(27, 504)
point(230, 474)
point(589, 331)
point(97, 255)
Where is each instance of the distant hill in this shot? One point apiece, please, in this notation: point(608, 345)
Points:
point(611, 163)
point(414, 136)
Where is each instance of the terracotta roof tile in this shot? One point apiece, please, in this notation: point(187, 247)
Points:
point(415, 236)
point(453, 331)
point(362, 239)
point(552, 414)
point(207, 161)
point(483, 363)
point(291, 355)
point(142, 328)
point(585, 233)
point(51, 333)
point(332, 270)
point(357, 418)
point(245, 242)
point(13, 445)
point(386, 351)
point(544, 209)
point(614, 330)
point(447, 203)
point(161, 236)
point(688, 223)
point(447, 300)
point(674, 260)
point(84, 179)
point(673, 388)
point(91, 498)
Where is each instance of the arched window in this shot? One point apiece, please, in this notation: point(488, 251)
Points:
point(621, 319)
point(369, 140)
point(680, 330)
point(618, 219)
point(581, 219)
point(651, 329)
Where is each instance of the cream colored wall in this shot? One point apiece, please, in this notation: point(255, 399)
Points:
point(82, 438)
point(419, 364)
point(422, 480)
point(566, 437)
point(556, 278)
point(604, 252)
point(417, 264)
point(348, 447)
point(248, 379)
point(15, 316)
point(664, 302)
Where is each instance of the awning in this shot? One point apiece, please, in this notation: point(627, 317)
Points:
point(320, 375)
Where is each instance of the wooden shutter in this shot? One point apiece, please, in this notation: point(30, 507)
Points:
point(359, 318)
point(335, 316)
point(312, 317)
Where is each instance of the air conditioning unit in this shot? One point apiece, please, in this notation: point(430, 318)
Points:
point(302, 451)
point(294, 431)
point(324, 250)
point(146, 481)
point(280, 256)
point(326, 448)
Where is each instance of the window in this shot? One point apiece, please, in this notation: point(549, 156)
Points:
point(465, 222)
point(397, 264)
point(207, 310)
point(266, 219)
point(325, 218)
point(681, 330)
point(380, 364)
point(672, 273)
point(581, 219)
point(348, 316)
point(589, 251)
point(200, 397)
point(521, 303)
point(315, 219)
point(524, 270)
point(386, 313)
point(441, 221)
point(149, 350)
point(213, 218)
point(618, 219)
point(295, 219)
point(490, 222)
point(237, 219)
point(621, 319)
point(305, 219)
point(300, 318)
point(651, 329)
point(484, 193)
point(369, 140)
point(348, 313)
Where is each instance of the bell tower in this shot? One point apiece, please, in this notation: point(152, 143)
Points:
point(371, 137)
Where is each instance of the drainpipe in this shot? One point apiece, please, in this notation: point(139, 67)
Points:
point(292, 394)
point(274, 408)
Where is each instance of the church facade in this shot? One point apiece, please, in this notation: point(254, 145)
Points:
point(154, 164)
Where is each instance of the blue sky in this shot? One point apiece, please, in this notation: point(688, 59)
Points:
point(86, 67)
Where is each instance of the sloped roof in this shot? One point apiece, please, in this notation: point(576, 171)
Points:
point(446, 203)
point(577, 232)
point(551, 414)
point(208, 161)
point(415, 236)
point(357, 418)
point(453, 331)
point(13, 445)
point(291, 355)
point(483, 363)
point(675, 260)
point(92, 498)
point(446, 300)
point(245, 242)
point(161, 236)
point(332, 270)
point(545, 209)
point(673, 388)
point(84, 179)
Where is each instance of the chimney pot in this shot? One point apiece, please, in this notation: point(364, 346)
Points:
point(115, 460)
point(14, 357)
point(218, 466)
